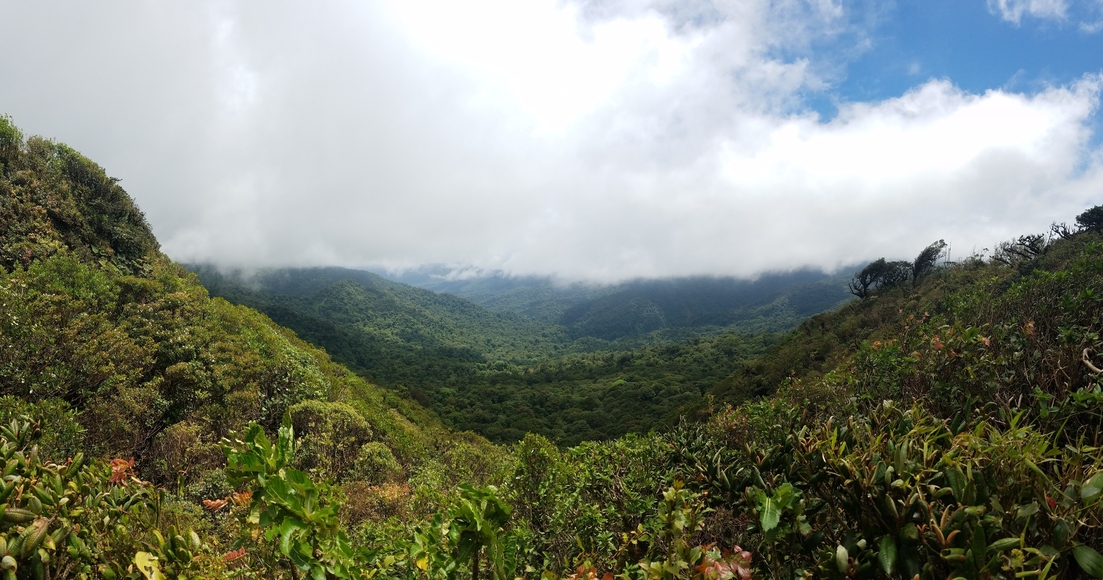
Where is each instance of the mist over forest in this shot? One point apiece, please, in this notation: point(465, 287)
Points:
point(551, 290)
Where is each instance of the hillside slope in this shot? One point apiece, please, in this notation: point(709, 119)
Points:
point(497, 374)
point(114, 351)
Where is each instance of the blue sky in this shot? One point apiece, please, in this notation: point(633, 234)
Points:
point(586, 139)
point(968, 42)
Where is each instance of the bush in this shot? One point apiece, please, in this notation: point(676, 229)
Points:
point(375, 465)
point(332, 437)
point(61, 435)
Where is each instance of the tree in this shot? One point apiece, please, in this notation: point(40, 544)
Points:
point(1061, 230)
point(1021, 249)
point(925, 262)
point(866, 279)
point(1091, 220)
point(879, 274)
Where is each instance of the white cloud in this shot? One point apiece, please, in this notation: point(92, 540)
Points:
point(1013, 10)
point(1094, 23)
point(599, 140)
point(1087, 15)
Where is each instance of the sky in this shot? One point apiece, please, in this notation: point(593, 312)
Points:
point(598, 140)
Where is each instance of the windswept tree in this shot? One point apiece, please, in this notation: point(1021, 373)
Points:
point(1061, 230)
point(879, 274)
point(866, 279)
point(1021, 249)
point(927, 259)
point(1091, 220)
point(895, 274)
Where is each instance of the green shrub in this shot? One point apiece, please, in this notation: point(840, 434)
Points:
point(332, 437)
point(375, 465)
point(84, 519)
point(61, 436)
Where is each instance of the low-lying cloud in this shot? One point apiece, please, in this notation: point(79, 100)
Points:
point(586, 140)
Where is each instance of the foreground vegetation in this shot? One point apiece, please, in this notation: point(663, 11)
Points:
point(944, 425)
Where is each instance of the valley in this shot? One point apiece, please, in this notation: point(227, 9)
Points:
point(572, 363)
point(325, 423)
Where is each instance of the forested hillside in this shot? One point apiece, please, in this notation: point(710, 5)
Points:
point(501, 374)
point(572, 363)
point(947, 424)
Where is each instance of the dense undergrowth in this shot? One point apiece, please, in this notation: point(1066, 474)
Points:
point(941, 427)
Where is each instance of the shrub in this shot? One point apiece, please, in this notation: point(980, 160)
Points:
point(332, 437)
point(375, 465)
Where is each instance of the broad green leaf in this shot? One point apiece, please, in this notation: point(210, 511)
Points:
point(1092, 489)
point(1090, 561)
point(980, 545)
point(1027, 510)
point(278, 491)
point(1061, 533)
point(287, 528)
point(771, 514)
point(887, 554)
point(785, 494)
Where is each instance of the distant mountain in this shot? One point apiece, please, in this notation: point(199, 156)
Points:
point(774, 302)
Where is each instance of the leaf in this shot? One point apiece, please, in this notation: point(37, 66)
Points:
point(1090, 561)
point(1061, 533)
point(1092, 489)
point(957, 481)
point(842, 559)
point(1027, 510)
point(980, 544)
point(1004, 544)
point(290, 526)
point(771, 514)
point(887, 554)
point(150, 568)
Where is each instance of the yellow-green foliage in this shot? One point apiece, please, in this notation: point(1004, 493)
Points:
point(330, 437)
point(85, 519)
point(53, 198)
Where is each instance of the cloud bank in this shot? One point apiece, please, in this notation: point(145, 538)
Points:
point(587, 140)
